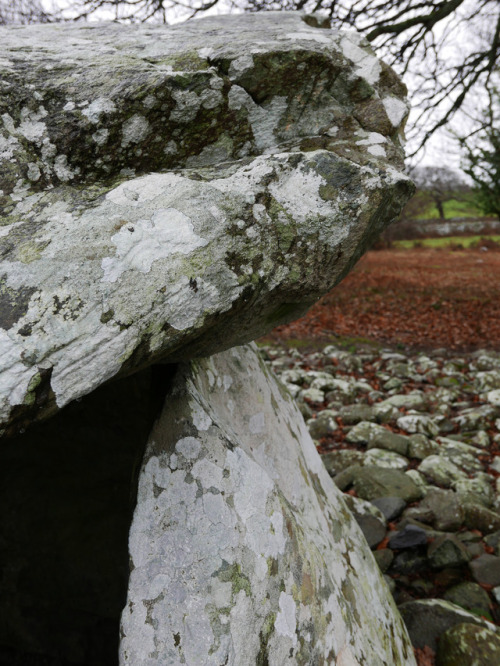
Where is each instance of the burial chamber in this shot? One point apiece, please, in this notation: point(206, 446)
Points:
point(169, 194)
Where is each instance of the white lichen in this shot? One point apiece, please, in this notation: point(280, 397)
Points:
point(97, 108)
point(135, 130)
point(140, 244)
point(396, 110)
point(62, 169)
point(101, 136)
point(286, 623)
point(187, 104)
point(367, 66)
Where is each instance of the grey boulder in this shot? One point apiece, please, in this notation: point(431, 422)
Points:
point(391, 507)
point(428, 619)
point(408, 537)
point(486, 569)
point(447, 551)
point(376, 436)
point(470, 596)
point(468, 645)
point(372, 482)
point(446, 512)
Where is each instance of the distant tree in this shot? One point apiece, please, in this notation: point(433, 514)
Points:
point(482, 158)
point(416, 207)
point(439, 184)
point(23, 11)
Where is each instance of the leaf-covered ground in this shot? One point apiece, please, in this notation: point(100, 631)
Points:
point(423, 298)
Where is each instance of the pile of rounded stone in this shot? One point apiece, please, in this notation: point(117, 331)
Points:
point(413, 440)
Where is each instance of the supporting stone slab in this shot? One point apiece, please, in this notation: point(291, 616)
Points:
point(242, 550)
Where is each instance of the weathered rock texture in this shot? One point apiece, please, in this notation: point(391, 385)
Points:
point(243, 551)
point(170, 192)
point(167, 193)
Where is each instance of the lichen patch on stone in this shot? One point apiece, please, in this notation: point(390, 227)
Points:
point(232, 540)
point(139, 244)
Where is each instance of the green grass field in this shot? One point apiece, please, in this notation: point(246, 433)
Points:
point(464, 241)
point(465, 207)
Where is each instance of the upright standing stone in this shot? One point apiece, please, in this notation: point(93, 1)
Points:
point(242, 549)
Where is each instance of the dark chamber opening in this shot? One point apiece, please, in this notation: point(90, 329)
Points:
point(67, 493)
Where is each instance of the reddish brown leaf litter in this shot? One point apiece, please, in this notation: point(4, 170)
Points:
point(425, 656)
point(421, 298)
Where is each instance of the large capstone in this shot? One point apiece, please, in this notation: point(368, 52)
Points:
point(169, 192)
point(242, 549)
